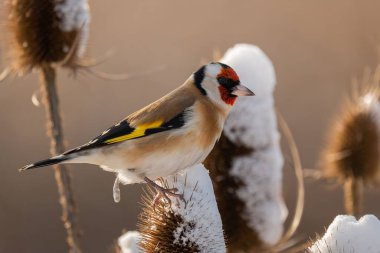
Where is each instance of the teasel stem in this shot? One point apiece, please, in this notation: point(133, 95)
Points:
point(353, 196)
point(300, 199)
point(62, 175)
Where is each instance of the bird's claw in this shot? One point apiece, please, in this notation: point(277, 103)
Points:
point(163, 193)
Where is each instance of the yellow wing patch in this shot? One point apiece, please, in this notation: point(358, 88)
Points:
point(138, 132)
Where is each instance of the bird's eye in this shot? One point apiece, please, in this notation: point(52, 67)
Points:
point(222, 80)
point(225, 82)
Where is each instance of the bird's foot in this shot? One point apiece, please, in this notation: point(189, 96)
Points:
point(163, 193)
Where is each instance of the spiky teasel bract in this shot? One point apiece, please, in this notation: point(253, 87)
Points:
point(351, 155)
point(183, 227)
point(246, 163)
point(46, 32)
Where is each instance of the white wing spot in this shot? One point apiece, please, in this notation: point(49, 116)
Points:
point(106, 131)
point(93, 141)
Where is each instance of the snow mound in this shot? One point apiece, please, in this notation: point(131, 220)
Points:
point(75, 16)
point(347, 235)
point(128, 242)
point(252, 122)
point(253, 67)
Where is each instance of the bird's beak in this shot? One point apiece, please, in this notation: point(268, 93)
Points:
point(240, 90)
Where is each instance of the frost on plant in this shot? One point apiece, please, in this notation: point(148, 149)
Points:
point(347, 235)
point(191, 226)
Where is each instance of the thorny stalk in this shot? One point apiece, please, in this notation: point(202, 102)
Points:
point(62, 176)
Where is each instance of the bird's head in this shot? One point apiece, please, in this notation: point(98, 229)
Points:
point(220, 83)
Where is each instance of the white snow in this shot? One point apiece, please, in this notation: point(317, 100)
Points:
point(128, 242)
point(347, 235)
point(75, 16)
point(252, 122)
point(202, 222)
point(370, 103)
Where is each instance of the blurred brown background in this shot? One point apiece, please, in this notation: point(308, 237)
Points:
point(317, 47)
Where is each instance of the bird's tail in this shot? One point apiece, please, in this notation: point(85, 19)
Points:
point(47, 162)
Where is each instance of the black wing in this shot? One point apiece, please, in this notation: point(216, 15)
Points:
point(123, 131)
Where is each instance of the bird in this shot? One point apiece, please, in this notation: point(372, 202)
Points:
point(167, 136)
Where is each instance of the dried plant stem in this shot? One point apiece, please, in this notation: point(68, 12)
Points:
point(62, 176)
point(353, 195)
point(300, 204)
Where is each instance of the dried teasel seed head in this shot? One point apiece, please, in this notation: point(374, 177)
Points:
point(246, 164)
point(346, 235)
point(353, 145)
point(184, 227)
point(45, 32)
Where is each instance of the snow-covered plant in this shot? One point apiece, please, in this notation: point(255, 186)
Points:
point(128, 242)
point(347, 235)
point(246, 164)
point(187, 227)
point(46, 32)
point(352, 153)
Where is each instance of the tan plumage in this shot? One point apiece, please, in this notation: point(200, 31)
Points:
point(175, 132)
point(168, 106)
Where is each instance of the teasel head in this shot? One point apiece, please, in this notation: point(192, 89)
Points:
point(353, 144)
point(352, 152)
point(46, 33)
point(189, 226)
point(246, 163)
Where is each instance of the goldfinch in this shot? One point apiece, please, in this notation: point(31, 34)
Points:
point(171, 134)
